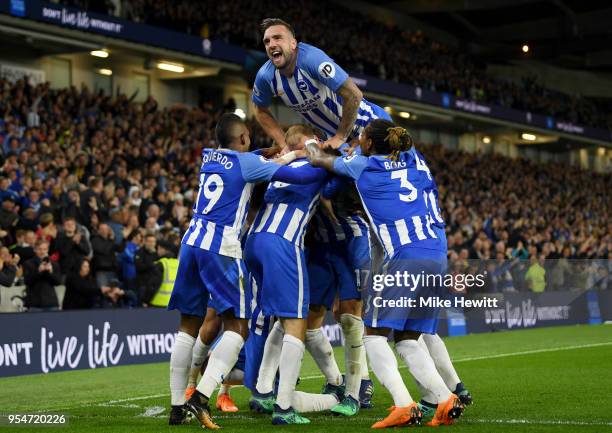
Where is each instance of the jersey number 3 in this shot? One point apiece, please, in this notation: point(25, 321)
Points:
point(402, 175)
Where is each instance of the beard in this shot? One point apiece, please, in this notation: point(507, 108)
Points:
point(284, 61)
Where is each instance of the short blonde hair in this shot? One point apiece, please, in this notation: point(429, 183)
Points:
point(296, 132)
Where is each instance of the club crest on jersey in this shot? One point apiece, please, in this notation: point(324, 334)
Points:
point(347, 158)
point(302, 85)
point(327, 70)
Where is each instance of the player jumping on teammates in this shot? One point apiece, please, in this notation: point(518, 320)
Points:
point(309, 82)
point(210, 261)
point(392, 191)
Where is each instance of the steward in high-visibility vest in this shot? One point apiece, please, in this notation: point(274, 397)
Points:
point(167, 266)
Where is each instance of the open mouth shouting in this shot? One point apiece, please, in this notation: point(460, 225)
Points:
point(276, 55)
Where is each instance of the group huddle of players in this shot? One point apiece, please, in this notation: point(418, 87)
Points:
point(255, 280)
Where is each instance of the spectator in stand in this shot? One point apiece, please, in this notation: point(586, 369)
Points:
point(28, 220)
point(157, 294)
point(24, 246)
point(8, 267)
point(72, 207)
point(47, 230)
point(116, 224)
point(82, 291)
point(41, 276)
point(9, 217)
point(5, 191)
point(144, 260)
point(104, 257)
point(127, 260)
point(72, 245)
point(91, 198)
point(536, 275)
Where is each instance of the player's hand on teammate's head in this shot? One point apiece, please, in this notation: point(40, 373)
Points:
point(335, 142)
point(312, 148)
point(301, 153)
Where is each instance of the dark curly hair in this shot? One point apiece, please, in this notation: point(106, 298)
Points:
point(388, 138)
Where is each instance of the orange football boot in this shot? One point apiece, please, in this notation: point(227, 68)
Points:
point(447, 412)
point(226, 404)
point(400, 416)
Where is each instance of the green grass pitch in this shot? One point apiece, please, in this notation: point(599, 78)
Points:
point(540, 380)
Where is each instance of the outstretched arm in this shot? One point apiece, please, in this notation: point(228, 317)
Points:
point(289, 157)
point(269, 124)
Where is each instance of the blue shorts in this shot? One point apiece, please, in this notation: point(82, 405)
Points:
point(330, 272)
point(279, 270)
point(211, 303)
point(201, 273)
point(359, 258)
point(422, 317)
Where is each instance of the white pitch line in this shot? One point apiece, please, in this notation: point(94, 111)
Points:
point(318, 376)
point(535, 421)
point(123, 400)
point(154, 412)
point(531, 352)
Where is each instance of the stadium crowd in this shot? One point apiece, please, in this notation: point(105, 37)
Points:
point(537, 226)
point(355, 42)
point(95, 190)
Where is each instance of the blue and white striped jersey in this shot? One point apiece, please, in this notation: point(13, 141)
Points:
point(312, 91)
point(430, 192)
point(287, 208)
point(220, 209)
point(351, 224)
point(349, 227)
point(395, 198)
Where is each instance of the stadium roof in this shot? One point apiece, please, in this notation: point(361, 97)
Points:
point(567, 33)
